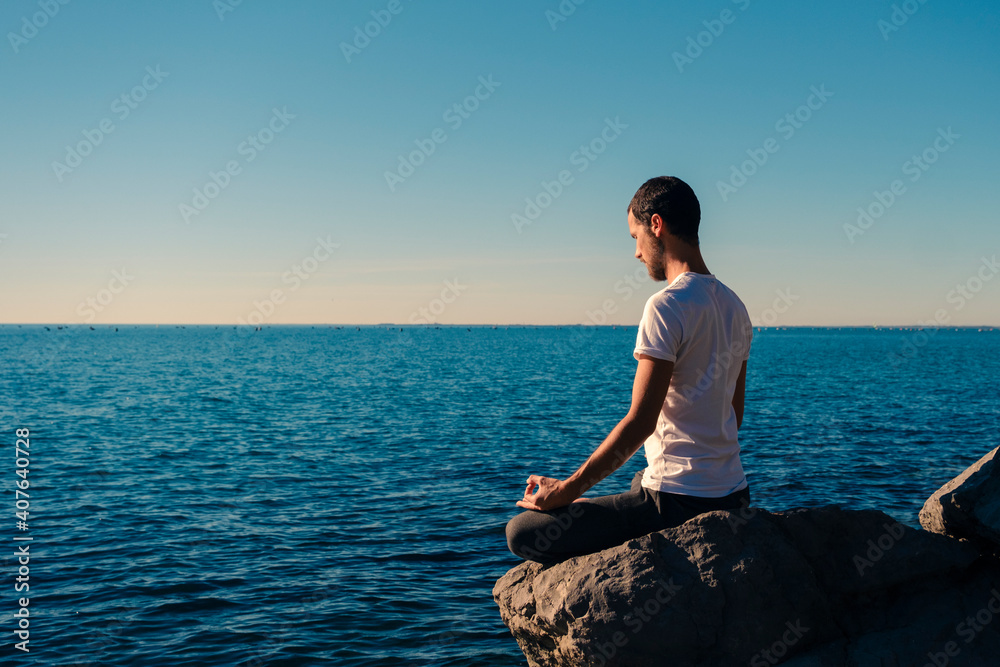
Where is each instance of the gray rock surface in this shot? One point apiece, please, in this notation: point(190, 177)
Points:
point(969, 505)
point(807, 588)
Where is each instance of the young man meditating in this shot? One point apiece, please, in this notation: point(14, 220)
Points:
point(687, 402)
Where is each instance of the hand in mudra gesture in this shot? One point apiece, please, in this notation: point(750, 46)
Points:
point(545, 493)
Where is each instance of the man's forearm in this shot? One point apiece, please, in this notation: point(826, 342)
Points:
point(617, 448)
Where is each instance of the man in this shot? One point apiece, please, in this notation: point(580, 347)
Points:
point(687, 402)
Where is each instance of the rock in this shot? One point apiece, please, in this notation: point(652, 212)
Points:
point(811, 587)
point(969, 505)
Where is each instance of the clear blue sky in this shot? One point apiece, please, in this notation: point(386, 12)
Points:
point(108, 241)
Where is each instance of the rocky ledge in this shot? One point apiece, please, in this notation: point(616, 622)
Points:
point(805, 588)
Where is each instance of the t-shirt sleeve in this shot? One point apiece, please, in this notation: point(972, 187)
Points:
point(660, 330)
point(748, 334)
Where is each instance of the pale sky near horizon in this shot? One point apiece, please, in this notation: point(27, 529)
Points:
point(214, 162)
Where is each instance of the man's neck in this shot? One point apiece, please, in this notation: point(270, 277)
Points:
point(691, 262)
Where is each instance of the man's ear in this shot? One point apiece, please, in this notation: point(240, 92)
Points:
point(656, 224)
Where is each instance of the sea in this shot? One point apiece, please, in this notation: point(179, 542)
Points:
point(337, 495)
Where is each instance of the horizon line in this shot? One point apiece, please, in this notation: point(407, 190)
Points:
point(468, 325)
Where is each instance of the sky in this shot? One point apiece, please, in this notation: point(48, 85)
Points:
point(422, 162)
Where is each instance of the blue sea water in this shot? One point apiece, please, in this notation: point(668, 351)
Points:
point(323, 495)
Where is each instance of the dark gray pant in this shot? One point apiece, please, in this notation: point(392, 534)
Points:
point(607, 521)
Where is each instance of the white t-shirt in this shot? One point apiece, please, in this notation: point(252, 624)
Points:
point(703, 327)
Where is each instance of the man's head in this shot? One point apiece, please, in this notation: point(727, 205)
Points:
point(664, 210)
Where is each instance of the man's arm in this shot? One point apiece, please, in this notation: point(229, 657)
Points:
point(649, 390)
point(740, 395)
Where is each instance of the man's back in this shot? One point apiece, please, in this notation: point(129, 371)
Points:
point(702, 326)
point(687, 401)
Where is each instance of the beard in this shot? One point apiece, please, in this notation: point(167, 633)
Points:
point(654, 263)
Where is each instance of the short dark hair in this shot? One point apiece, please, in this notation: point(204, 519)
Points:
point(674, 201)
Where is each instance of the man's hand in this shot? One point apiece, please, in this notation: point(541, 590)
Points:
point(649, 391)
point(550, 494)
